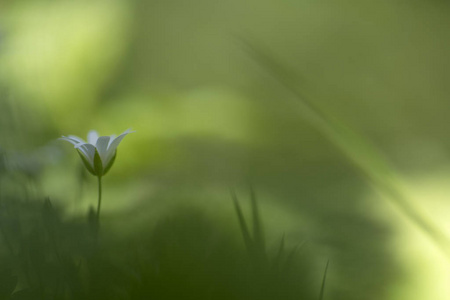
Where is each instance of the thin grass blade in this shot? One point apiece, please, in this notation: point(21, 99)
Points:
point(258, 233)
point(243, 225)
point(322, 289)
point(278, 258)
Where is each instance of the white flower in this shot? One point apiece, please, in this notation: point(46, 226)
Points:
point(99, 153)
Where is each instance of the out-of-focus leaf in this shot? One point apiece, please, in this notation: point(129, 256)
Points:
point(8, 283)
point(26, 294)
point(369, 162)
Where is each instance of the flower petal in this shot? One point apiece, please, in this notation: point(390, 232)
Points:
point(98, 165)
point(70, 140)
point(92, 137)
point(74, 137)
point(113, 145)
point(102, 146)
point(88, 151)
point(86, 163)
point(113, 136)
point(110, 163)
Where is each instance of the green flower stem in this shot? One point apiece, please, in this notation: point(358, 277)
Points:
point(99, 198)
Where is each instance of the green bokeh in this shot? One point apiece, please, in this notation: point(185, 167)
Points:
point(210, 114)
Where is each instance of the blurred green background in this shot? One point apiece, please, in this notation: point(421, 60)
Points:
point(212, 90)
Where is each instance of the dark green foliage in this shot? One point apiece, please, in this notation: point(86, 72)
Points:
point(272, 277)
point(7, 283)
point(186, 256)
